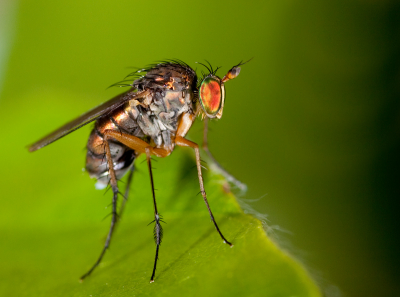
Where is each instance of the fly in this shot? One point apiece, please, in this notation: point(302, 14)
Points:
point(151, 118)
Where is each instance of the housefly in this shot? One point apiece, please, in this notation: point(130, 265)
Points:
point(151, 118)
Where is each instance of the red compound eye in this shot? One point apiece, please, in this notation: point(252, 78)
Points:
point(211, 96)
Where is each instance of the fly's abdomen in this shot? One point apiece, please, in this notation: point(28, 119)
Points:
point(122, 120)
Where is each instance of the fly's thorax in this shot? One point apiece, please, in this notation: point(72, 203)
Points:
point(169, 105)
point(167, 76)
point(159, 119)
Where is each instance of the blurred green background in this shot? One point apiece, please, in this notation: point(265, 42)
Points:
point(311, 125)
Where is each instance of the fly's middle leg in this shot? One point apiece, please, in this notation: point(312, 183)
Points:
point(114, 187)
point(158, 231)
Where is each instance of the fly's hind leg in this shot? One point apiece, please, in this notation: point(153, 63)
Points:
point(141, 146)
point(229, 177)
point(184, 142)
point(114, 218)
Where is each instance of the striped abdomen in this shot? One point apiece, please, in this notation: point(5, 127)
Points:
point(122, 120)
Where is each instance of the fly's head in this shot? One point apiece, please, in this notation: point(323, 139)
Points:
point(212, 91)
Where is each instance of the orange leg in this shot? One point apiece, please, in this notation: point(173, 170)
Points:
point(184, 142)
point(230, 178)
point(135, 143)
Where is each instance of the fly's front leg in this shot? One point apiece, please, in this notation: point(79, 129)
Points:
point(114, 186)
point(230, 178)
point(184, 142)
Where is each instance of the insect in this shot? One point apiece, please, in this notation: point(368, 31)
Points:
point(151, 118)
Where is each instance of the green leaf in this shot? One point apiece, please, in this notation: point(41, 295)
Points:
point(52, 230)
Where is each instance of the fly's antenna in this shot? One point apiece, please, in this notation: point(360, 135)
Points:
point(234, 71)
point(242, 63)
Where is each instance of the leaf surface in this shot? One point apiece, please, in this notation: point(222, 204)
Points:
point(53, 230)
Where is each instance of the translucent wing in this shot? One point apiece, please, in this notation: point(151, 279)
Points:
point(86, 118)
